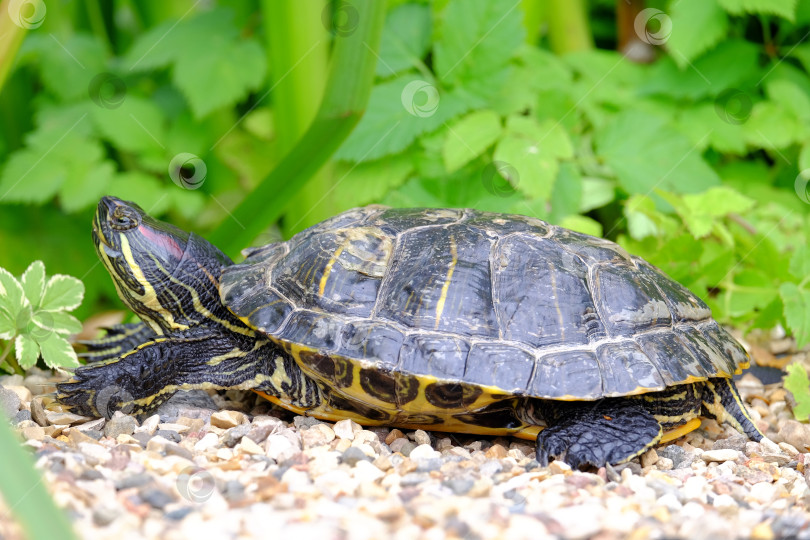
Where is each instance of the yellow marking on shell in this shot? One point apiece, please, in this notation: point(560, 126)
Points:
point(450, 424)
point(446, 285)
point(680, 431)
point(328, 269)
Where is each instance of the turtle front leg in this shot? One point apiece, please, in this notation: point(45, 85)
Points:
point(119, 339)
point(595, 433)
point(145, 377)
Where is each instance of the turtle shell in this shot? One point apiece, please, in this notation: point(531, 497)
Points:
point(450, 308)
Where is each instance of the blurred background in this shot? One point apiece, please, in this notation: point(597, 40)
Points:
point(679, 129)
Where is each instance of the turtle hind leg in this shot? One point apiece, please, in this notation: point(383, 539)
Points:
point(722, 402)
point(608, 431)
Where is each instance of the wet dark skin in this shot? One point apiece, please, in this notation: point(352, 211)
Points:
point(451, 320)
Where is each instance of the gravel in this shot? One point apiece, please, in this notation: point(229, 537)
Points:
point(240, 472)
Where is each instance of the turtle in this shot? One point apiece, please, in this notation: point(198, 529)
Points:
point(452, 320)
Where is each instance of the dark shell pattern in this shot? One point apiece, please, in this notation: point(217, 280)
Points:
point(502, 303)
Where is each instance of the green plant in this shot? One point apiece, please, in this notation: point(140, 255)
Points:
point(34, 319)
point(797, 382)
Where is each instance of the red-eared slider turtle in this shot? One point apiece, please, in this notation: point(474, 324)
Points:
point(453, 320)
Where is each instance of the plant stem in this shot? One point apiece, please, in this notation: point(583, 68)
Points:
point(299, 57)
point(568, 28)
point(348, 88)
point(11, 38)
point(11, 360)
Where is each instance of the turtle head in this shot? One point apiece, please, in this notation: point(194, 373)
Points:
point(169, 277)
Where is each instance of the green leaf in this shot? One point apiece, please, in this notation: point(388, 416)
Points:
point(697, 26)
point(701, 211)
point(7, 326)
point(137, 125)
point(69, 64)
point(783, 8)
point(566, 197)
point(33, 282)
point(62, 292)
point(645, 153)
point(405, 39)
point(798, 384)
point(797, 311)
point(217, 79)
point(772, 125)
point(164, 43)
point(144, 188)
point(800, 262)
point(549, 136)
point(468, 137)
point(596, 193)
point(12, 295)
point(666, 78)
point(536, 173)
point(57, 352)
point(367, 182)
point(57, 321)
point(398, 112)
point(582, 224)
point(476, 39)
point(26, 350)
point(791, 96)
point(83, 190)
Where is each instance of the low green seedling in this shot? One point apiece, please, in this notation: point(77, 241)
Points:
point(797, 382)
point(34, 320)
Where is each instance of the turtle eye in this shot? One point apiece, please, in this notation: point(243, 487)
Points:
point(123, 218)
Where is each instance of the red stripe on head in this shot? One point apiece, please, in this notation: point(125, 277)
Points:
point(165, 240)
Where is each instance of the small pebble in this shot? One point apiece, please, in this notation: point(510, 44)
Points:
point(120, 423)
point(725, 454)
point(9, 402)
point(352, 455)
point(227, 419)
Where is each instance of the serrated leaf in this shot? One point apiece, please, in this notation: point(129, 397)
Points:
point(57, 321)
point(771, 126)
point(701, 211)
point(549, 136)
point(62, 292)
point(137, 125)
point(800, 262)
point(367, 182)
point(405, 39)
point(697, 26)
point(163, 44)
point(536, 173)
point(12, 295)
point(26, 350)
point(797, 311)
point(476, 40)
point(67, 68)
point(468, 137)
point(798, 384)
point(83, 190)
point(783, 8)
point(57, 352)
point(7, 326)
point(33, 282)
point(217, 79)
point(645, 153)
point(398, 112)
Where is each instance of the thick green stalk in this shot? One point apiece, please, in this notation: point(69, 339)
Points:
point(11, 37)
point(568, 28)
point(351, 75)
point(299, 58)
point(534, 14)
point(25, 495)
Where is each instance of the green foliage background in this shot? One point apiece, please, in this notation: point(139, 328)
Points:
point(693, 160)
